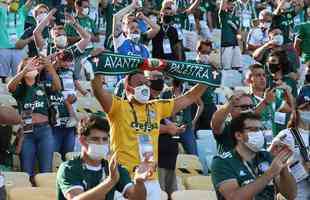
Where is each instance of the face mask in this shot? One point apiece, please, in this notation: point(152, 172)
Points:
point(98, 151)
point(203, 58)
point(266, 25)
point(305, 116)
point(278, 40)
point(85, 11)
point(61, 41)
point(13, 7)
point(135, 37)
point(167, 19)
point(256, 141)
point(142, 94)
point(157, 85)
point(41, 17)
point(273, 68)
point(32, 74)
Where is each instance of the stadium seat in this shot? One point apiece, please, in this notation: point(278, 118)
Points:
point(56, 161)
point(194, 195)
point(71, 155)
point(188, 165)
point(198, 183)
point(32, 193)
point(16, 179)
point(46, 180)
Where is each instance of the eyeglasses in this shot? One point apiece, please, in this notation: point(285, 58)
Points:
point(245, 107)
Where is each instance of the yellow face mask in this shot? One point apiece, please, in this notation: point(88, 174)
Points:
point(13, 6)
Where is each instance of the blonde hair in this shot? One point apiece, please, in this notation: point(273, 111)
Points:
point(41, 5)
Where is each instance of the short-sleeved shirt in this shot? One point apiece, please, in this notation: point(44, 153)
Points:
point(124, 46)
point(33, 97)
point(224, 141)
point(229, 166)
point(12, 26)
point(74, 174)
point(157, 43)
point(304, 35)
point(230, 24)
point(126, 131)
point(257, 36)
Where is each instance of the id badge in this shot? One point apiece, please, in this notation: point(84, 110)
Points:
point(145, 147)
point(280, 118)
point(298, 171)
point(68, 84)
point(27, 121)
point(191, 19)
point(167, 46)
point(13, 38)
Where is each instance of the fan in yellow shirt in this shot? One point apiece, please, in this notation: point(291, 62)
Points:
point(135, 122)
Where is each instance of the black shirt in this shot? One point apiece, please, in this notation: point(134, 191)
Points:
point(157, 42)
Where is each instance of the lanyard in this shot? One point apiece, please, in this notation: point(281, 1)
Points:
point(8, 19)
point(136, 118)
point(165, 29)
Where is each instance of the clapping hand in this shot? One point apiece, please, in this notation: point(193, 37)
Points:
point(145, 170)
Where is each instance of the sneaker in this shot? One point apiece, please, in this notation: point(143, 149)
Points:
point(72, 122)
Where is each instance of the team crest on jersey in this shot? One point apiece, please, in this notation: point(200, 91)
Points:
point(39, 93)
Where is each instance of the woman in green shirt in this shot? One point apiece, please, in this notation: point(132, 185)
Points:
point(28, 87)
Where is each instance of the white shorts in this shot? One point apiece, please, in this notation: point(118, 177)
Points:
point(231, 57)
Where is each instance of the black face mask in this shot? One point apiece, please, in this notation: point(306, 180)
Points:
point(273, 68)
point(167, 19)
point(157, 84)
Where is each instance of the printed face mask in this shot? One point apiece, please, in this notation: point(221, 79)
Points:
point(142, 94)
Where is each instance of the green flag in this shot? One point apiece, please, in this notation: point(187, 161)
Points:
point(116, 64)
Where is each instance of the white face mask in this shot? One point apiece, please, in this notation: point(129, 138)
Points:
point(41, 17)
point(256, 141)
point(85, 11)
point(203, 58)
point(61, 41)
point(142, 94)
point(278, 40)
point(32, 74)
point(266, 25)
point(305, 116)
point(135, 37)
point(98, 151)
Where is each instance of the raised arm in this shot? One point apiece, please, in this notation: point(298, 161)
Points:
point(103, 96)
point(192, 7)
point(118, 17)
point(188, 98)
point(84, 35)
point(56, 83)
point(37, 33)
point(200, 107)
point(155, 28)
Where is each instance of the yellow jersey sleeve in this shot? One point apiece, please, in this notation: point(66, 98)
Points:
point(165, 108)
point(116, 104)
